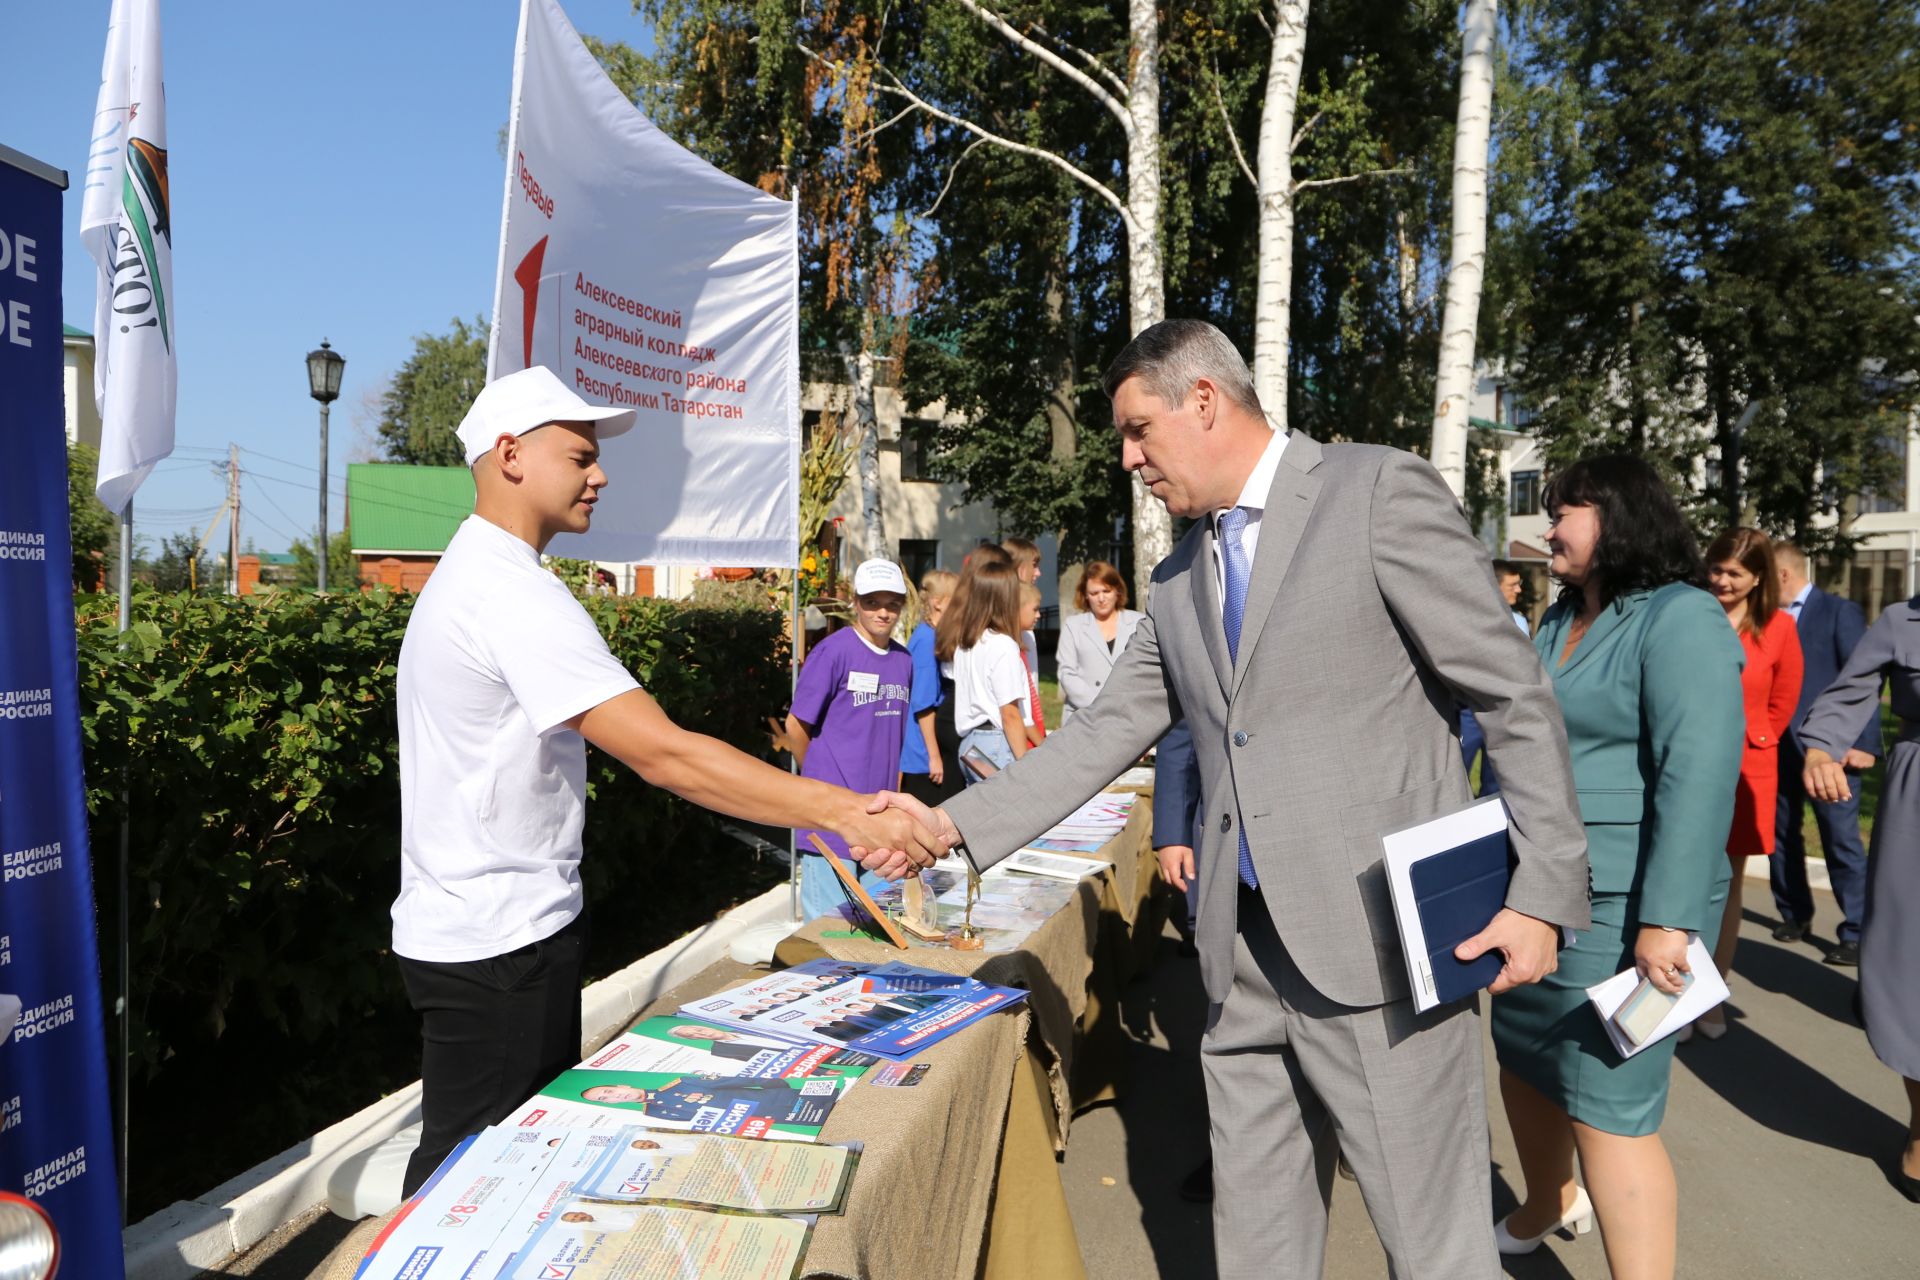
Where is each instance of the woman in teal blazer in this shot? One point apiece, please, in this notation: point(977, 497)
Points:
point(1648, 677)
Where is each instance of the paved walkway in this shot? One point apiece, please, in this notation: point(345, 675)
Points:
point(1780, 1132)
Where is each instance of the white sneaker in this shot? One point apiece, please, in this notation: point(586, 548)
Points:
point(1576, 1221)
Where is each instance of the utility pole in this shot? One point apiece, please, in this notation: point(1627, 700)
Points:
point(233, 527)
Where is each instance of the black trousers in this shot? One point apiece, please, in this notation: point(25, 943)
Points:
point(493, 1033)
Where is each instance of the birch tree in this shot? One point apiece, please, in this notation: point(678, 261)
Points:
point(1472, 136)
point(1132, 100)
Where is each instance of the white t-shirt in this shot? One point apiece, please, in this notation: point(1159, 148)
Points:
point(493, 788)
point(987, 677)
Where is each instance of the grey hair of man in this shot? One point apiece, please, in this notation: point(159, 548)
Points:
point(1171, 356)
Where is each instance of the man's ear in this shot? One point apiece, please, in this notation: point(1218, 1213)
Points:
point(1206, 401)
point(506, 453)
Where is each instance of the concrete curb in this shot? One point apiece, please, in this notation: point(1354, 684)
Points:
point(189, 1236)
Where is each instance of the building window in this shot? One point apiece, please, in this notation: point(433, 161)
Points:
point(1874, 502)
point(916, 449)
point(1523, 495)
point(809, 421)
point(1509, 410)
point(919, 557)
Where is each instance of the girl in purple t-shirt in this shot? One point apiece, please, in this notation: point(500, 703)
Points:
point(850, 711)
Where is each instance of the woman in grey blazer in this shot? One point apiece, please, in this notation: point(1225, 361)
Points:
point(1091, 639)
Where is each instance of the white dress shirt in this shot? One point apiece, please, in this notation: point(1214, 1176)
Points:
point(1254, 498)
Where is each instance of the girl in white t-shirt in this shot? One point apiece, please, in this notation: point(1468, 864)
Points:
point(978, 634)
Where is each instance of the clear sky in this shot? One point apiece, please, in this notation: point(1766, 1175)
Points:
point(335, 172)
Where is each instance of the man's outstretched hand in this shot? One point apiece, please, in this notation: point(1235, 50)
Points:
point(890, 842)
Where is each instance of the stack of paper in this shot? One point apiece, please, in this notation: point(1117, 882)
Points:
point(894, 1010)
point(511, 1201)
point(1707, 990)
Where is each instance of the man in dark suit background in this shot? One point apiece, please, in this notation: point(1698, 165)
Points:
point(1829, 627)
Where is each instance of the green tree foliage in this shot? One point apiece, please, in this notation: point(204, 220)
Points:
point(426, 399)
point(181, 566)
point(1710, 257)
point(92, 525)
point(343, 572)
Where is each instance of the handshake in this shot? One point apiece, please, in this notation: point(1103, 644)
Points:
point(894, 835)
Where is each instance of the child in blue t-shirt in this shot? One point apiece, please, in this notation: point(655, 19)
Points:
point(850, 713)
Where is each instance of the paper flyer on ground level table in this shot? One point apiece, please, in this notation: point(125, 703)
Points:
point(592, 1240)
point(689, 1045)
point(894, 1010)
point(485, 1198)
point(792, 1108)
point(707, 1171)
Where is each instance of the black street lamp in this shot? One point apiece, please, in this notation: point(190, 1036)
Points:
point(324, 367)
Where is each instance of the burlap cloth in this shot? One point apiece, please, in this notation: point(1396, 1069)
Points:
point(1072, 968)
point(959, 1176)
point(920, 1200)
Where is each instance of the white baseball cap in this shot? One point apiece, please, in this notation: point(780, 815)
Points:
point(879, 575)
point(519, 402)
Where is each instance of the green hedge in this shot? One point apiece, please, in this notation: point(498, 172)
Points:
point(257, 740)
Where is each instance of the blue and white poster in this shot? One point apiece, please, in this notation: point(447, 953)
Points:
point(56, 1123)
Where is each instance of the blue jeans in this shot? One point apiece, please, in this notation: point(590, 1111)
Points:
point(991, 743)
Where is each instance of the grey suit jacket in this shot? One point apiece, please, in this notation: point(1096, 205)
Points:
point(1371, 614)
point(1082, 657)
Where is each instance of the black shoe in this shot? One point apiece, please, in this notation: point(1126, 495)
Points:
point(1790, 931)
point(1197, 1188)
point(1845, 953)
point(1906, 1186)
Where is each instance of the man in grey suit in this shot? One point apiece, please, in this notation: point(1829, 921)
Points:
point(1317, 628)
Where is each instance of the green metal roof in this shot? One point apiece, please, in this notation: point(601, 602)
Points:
point(71, 332)
point(395, 507)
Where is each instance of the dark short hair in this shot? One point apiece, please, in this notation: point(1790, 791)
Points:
point(1171, 356)
point(1507, 569)
point(1644, 539)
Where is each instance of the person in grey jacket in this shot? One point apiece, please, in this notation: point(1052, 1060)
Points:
point(1093, 638)
point(1317, 626)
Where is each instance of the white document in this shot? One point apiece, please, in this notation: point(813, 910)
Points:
point(1402, 850)
point(1059, 866)
point(1708, 990)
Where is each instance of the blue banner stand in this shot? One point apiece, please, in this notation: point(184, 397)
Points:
point(56, 1121)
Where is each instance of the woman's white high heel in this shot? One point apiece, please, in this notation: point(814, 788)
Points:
point(1578, 1221)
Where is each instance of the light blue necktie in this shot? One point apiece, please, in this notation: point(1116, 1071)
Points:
point(1232, 524)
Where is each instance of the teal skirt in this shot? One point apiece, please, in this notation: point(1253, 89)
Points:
point(1550, 1036)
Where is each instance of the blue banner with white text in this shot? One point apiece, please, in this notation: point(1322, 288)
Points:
point(56, 1122)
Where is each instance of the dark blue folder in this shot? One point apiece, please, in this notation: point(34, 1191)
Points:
point(1457, 892)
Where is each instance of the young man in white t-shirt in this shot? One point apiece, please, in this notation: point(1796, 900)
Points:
point(503, 680)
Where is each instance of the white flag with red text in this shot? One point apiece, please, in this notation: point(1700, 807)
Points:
point(647, 278)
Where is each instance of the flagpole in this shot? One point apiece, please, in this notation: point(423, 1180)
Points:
point(124, 1001)
point(798, 636)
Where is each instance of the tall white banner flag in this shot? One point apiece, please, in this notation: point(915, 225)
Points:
point(647, 278)
point(126, 224)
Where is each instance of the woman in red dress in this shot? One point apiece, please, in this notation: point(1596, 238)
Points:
point(1741, 576)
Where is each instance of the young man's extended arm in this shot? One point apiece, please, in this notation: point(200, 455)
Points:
point(634, 730)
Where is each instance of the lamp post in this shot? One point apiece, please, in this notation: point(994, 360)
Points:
point(323, 382)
